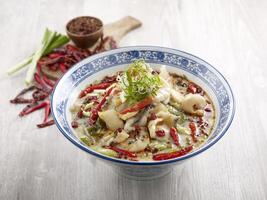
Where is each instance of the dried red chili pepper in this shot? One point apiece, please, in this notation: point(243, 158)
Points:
point(103, 101)
point(47, 112)
point(176, 154)
point(160, 133)
point(80, 114)
point(90, 99)
point(48, 81)
point(109, 79)
point(192, 88)
point(77, 56)
point(67, 55)
point(152, 116)
point(32, 108)
point(62, 67)
point(71, 47)
point(74, 124)
point(27, 107)
point(38, 79)
point(138, 106)
point(192, 127)
point(21, 100)
point(48, 123)
point(94, 87)
point(122, 151)
point(53, 67)
point(54, 55)
point(94, 112)
point(53, 61)
point(174, 136)
point(39, 95)
point(24, 91)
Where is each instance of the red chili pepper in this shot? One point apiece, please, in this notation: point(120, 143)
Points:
point(39, 95)
point(152, 116)
point(102, 102)
point(80, 114)
point(93, 117)
point(160, 133)
point(109, 79)
point(192, 126)
point(90, 99)
point(94, 87)
point(54, 55)
point(176, 154)
point(62, 67)
point(32, 109)
point(138, 106)
point(53, 67)
point(174, 136)
point(74, 124)
point(47, 112)
point(41, 82)
point(21, 100)
point(38, 79)
point(200, 121)
point(71, 47)
point(122, 151)
point(48, 81)
point(192, 88)
point(24, 91)
point(49, 123)
point(94, 112)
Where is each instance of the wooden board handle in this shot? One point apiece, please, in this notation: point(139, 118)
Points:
point(121, 27)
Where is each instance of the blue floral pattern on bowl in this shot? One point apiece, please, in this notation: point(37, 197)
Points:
point(157, 55)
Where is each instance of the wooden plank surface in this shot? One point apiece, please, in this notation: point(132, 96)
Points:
point(230, 34)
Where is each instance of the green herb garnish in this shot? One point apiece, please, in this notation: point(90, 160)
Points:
point(174, 109)
point(86, 140)
point(138, 82)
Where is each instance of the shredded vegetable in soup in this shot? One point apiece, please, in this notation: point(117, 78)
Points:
point(143, 115)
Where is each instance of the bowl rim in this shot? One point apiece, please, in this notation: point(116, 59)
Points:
point(145, 163)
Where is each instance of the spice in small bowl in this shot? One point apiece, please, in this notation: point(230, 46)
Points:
point(84, 31)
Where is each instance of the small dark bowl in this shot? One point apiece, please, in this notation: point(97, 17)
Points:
point(86, 40)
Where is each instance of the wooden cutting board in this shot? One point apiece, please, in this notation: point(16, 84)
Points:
point(117, 30)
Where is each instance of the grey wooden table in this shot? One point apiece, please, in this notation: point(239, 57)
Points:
point(230, 34)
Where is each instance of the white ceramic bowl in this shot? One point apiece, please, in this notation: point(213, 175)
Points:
point(107, 63)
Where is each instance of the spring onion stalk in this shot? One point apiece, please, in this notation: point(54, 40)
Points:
point(38, 54)
point(20, 65)
point(50, 41)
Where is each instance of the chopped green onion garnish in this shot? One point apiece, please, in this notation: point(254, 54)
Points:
point(138, 82)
